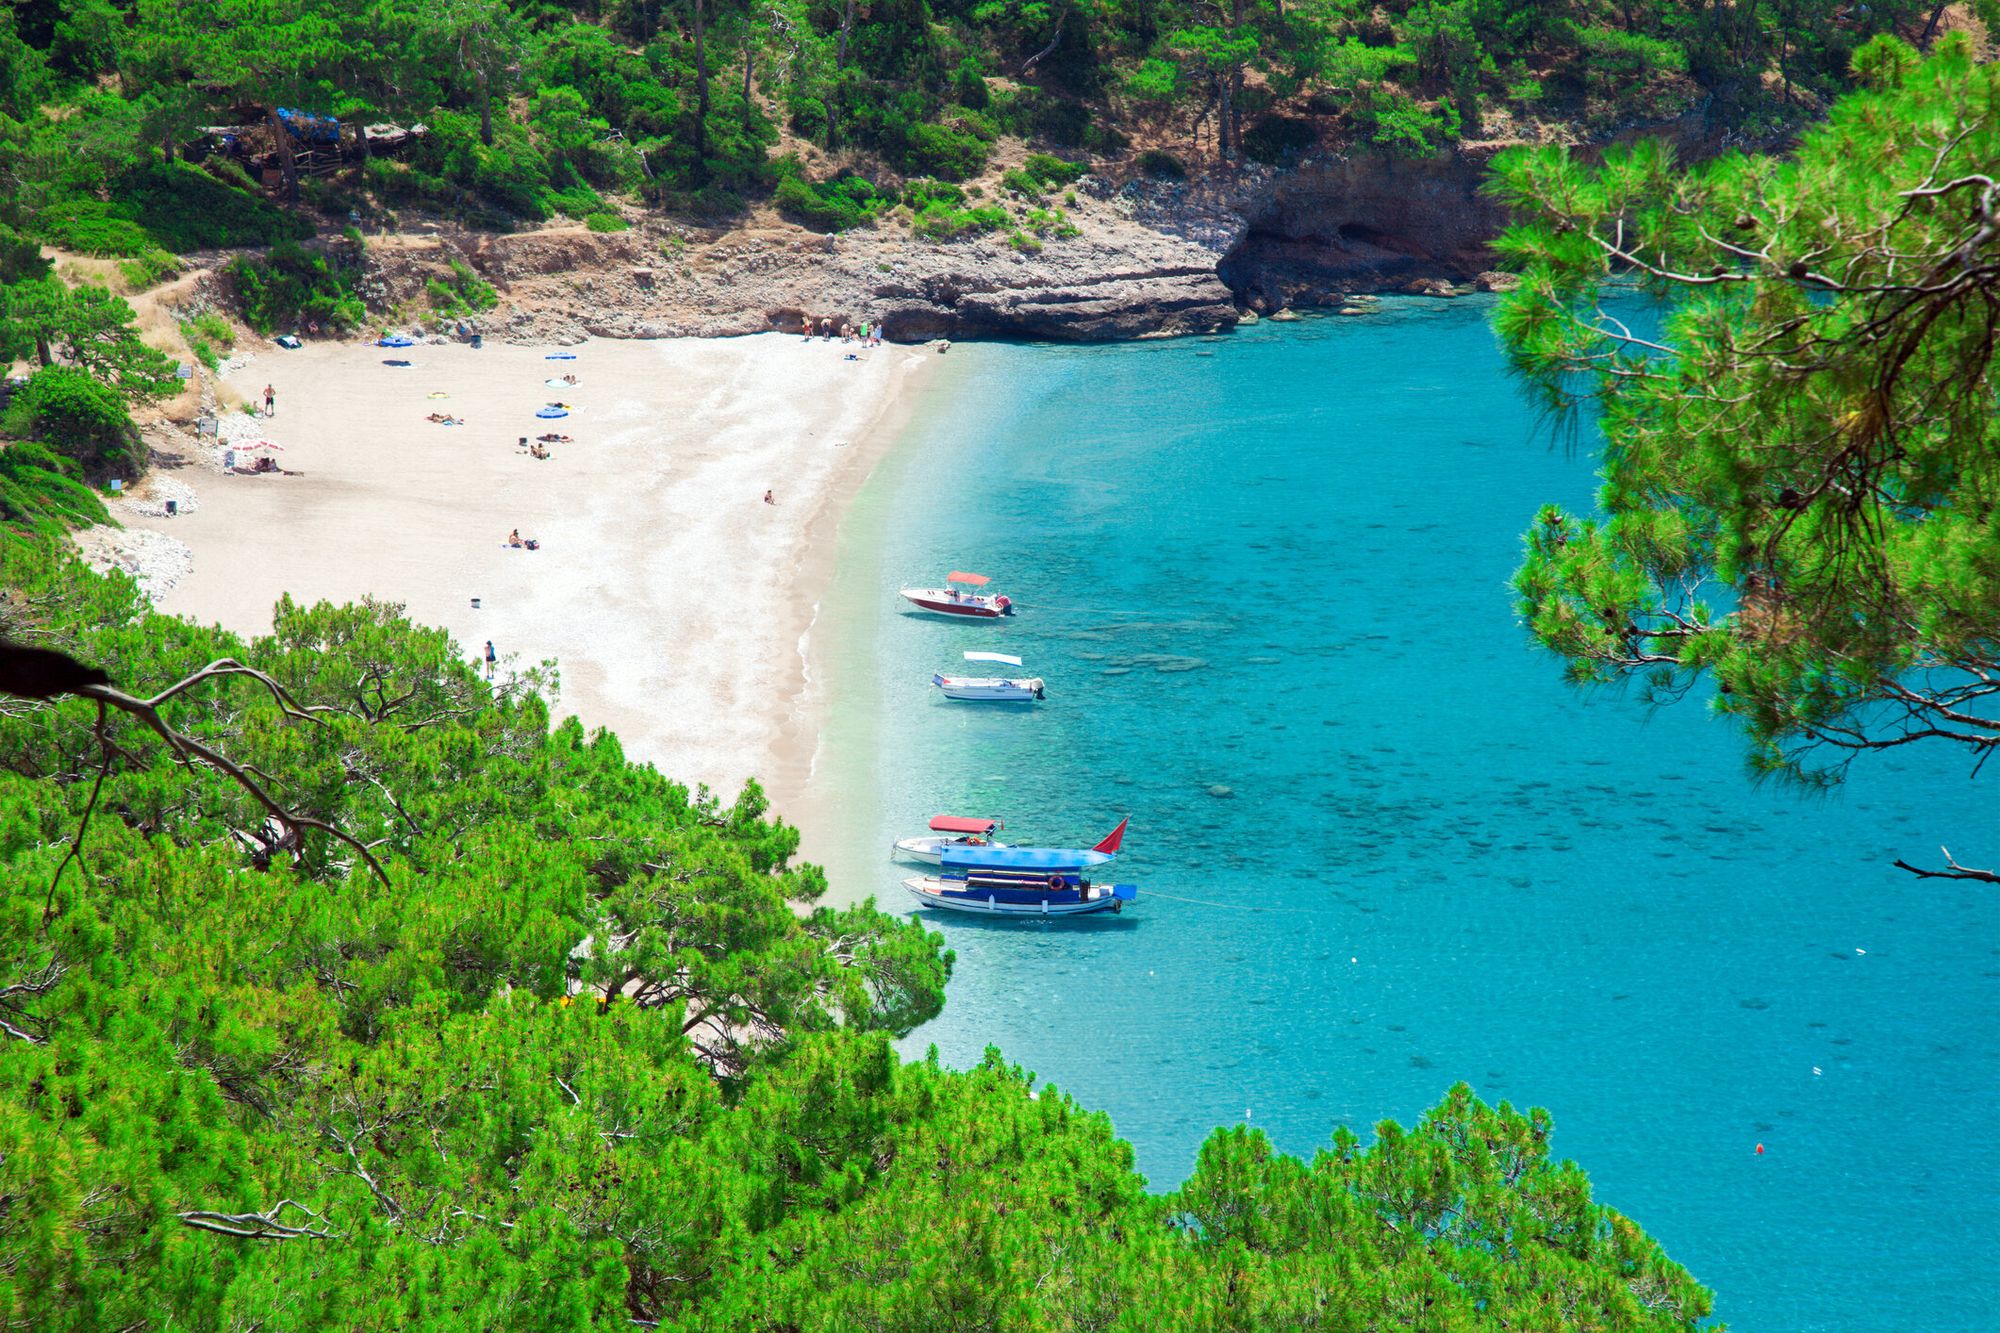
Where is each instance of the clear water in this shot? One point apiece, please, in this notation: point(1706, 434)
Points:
point(1381, 847)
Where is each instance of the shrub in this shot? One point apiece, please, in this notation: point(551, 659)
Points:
point(463, 293)
point(186, 208)
point(575, 201)
point(89, 227)
point(839, 204)
point(39, 491)
point(1159, 162)
point(1020, 182)
point(150, 267)
point(81, 417)
point(214, 327)
point(291, 285)
point(944, 151)
point(944, 222)
point(1052, 170)
point(606, 221)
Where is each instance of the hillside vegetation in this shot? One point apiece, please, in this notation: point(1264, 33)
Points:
point(536, 109)
point(354, 995)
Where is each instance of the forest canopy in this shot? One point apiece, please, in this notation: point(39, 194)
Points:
point(534, 108)
point(356, 995)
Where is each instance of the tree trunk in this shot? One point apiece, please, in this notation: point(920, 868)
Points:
point(749, 70)
point(286, 162)
point(700, 94)
point(1930, 29)
point(166, 145)
point(485, 112)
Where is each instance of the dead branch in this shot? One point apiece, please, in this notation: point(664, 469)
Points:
point(260, 1226)
point(1953, 870)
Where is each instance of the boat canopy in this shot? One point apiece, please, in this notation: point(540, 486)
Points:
point(962, 824)
point(1001, 658)
point(976, 580)
point(1021, 858)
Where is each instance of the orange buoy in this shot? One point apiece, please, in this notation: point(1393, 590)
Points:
point(1760, 1150)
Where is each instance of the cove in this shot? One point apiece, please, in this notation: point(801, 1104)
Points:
point(1381, 846)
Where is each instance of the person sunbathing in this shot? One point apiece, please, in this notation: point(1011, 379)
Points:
point(514, 537)
point(444, 420)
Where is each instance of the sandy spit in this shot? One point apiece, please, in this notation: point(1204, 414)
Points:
point(676, 603)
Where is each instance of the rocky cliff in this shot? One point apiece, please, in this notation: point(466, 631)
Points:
point(1150, 258)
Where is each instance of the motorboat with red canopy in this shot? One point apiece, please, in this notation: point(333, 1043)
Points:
point(949, 831)
point(951, 600)
point(956, 831)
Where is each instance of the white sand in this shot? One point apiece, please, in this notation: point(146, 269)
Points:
point(675, 602)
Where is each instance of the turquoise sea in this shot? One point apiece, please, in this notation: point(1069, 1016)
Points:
point(1381, 846)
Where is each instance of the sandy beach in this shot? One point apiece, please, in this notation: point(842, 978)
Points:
point(675, 602)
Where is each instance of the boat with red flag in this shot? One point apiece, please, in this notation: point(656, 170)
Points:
point(1023, 881)
point(959, 597)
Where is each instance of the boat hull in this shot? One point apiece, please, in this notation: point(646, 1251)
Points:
point(990, 689)
point(953, 896)
point(942, 602)
point(930, 850)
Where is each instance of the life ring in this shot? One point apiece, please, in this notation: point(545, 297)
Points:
point(1055, 883)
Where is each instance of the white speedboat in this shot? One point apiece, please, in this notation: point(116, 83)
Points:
point(991, 689)
point(950, 601)
point(948, 831)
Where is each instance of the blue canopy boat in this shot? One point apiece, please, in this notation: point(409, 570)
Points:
point(1020, 881)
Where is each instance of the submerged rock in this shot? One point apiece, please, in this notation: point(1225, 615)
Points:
point(1220, 792)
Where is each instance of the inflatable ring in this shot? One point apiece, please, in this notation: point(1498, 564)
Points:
point(1055, 882)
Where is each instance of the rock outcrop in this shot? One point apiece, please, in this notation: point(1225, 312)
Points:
point(1149, 258)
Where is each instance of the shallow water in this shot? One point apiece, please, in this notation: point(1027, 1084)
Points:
point(1381, 847)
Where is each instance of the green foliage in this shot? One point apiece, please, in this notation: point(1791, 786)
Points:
point(606, 221)
point(463, 293)
point(596, 1054)
point(945, 151)
point(844, 202)
point(1799, 462)
point(291, 285)
point(1404, 127)
point(185, 208)
point(40, 493)
point(79, 417)
point(1159, 162)
point(148, 269)
point(90, 227)
point(86, 326)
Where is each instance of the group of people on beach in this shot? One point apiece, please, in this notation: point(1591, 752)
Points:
point(868, 335)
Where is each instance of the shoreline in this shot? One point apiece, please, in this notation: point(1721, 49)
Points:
point(678, 608)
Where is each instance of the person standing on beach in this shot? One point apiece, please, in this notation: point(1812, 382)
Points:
point(270, 401)
point(491, 659)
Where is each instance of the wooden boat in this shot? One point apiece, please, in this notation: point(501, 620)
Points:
point(951, 601)
point(1019, 881)
point(948, 831)
point(991, 689)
